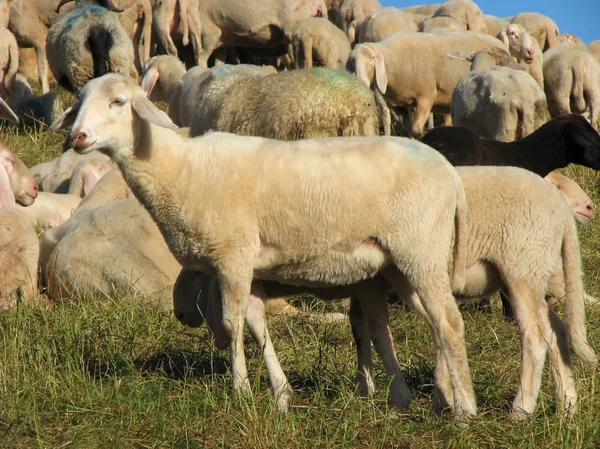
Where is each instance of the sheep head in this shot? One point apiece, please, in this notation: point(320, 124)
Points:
point(111, 115)
point(579, 202)
point(368, 64)
point(22, 182)
point(518, 41)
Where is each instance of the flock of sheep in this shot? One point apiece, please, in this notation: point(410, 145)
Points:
point(268, 177)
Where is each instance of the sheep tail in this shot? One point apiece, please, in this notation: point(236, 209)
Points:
point(577, 87)
point(460, 240)
point(100, 42)
point(574, 301)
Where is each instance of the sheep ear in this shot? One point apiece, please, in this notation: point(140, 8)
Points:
point(148, 111)
point(149, 80)
point(7, 113)
point(380, 75)
point(360, 68)
point(503, 37)
point(67, 118)
point(7, 197)
point(351, 33)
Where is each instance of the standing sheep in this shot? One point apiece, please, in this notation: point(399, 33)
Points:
point(136, 20)
point(299, 104)
point(352, 10)
point(464, 11)
point(525, 49)
point(499, 103)
point(541, 27)
point(9, 61)
point(380, 24)
point(258, 212)
point(407, 69)
point(87, 42)
point(572, 82)
point(317, 39)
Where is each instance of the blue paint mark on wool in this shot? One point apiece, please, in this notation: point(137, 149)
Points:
point(80, 13)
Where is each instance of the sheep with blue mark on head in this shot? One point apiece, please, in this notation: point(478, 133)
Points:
point(87, 42)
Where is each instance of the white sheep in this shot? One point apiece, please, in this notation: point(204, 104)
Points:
point(464, 11)
point(525, 49)
point(499, 103)
point(291, 105)
point(19, 247)
point(317, 40)
point(579, 202)
point(137, 20)
point(428, 24)
point(380, 24)
point(259, 206)
point(86, 42)
point(594, 48)
point(572, 82)
point(23, 185)
point(351, 10)
point(541, 27)
point(407, 69)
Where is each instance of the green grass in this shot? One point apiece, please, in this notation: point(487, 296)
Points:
point(113, 374)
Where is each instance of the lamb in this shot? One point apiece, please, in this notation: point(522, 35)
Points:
point(9, 61)
point(514, 192)
point(541, 27)
point(563, 140)
point(261, 234)
point(33, 110)
point(351, 10)
point(400, 61)
point(578, 201)
point(464, 11)
point(87, 42)
point(317, 39)
point(499, 103)
point(299, 104)
point(572, 82)
point(525, 49)
point(379, 24)
point(18, 244)
point(23, 186)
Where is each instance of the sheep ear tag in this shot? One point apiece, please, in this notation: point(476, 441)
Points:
point(148, 111)
point(7, 113)
point(67, 118)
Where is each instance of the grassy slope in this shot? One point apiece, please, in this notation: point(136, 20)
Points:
point(115, 375)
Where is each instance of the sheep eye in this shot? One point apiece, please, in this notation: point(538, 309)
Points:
point(117, 102)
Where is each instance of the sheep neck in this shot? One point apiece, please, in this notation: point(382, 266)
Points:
point(541, 152)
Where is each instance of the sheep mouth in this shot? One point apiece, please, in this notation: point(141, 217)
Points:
point(528, 60)
point(583, 217)
point(83, 148)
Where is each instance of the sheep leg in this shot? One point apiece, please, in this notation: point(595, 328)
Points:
point(211, 39)
point(531, 315)
point(374, 305)
point(42, 67)
point(424, 105)
point(360, 331)
point(255, 319)
point(385, 112)
point(559, 357)
point(235, 293)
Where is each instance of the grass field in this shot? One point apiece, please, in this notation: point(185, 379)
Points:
point(113, 374)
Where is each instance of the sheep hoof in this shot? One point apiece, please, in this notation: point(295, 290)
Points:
point(283, 398)
point(519, 415)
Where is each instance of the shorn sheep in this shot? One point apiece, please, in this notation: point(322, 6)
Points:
point(298, 104)
point(258, 212)
point(86, 42)
point(522, 261)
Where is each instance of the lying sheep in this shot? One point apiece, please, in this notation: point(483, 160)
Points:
point(23, 185)
point(299, 104)
point(19, 245)
point(33, 110)
point(541, 27)
point(86, 42)
point(563, 140)
point(572, 82)
point(317, 40)
point(418, 70)
point(262, 230)
point(464, 11)
point(525, 49)
point(9, 61)
point(380, 24)
point(499, 103)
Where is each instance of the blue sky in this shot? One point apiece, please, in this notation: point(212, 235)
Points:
point(580, 17)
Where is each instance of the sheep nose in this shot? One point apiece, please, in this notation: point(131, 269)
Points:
point(590, 207)
point(78, 137)
point(36, 187)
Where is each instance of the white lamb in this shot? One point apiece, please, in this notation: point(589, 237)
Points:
point(300, 212)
